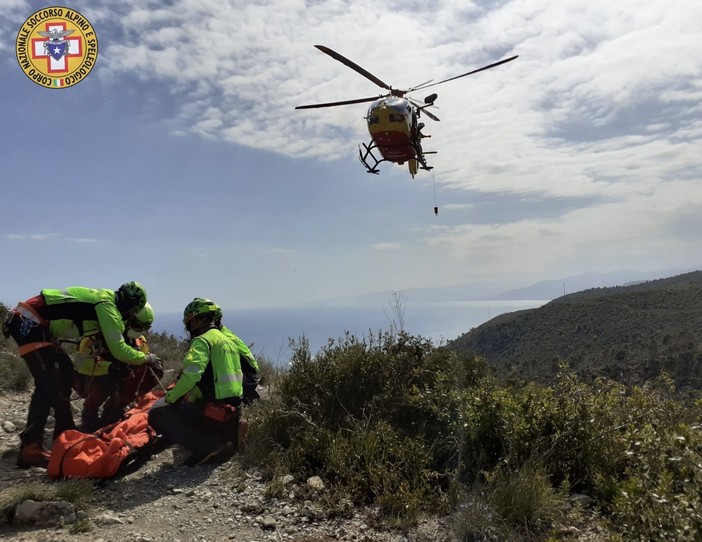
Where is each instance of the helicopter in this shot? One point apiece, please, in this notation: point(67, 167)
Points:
point(393, 119)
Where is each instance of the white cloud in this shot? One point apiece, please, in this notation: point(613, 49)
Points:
point(590, 76)
point(588, 143)
point(12, 14)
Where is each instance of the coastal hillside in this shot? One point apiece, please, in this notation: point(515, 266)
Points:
point(628, 333)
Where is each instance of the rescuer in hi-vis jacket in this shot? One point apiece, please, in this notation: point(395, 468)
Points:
point(202, 409)
point(105, 382)
point(38, 324)
point(249, 365)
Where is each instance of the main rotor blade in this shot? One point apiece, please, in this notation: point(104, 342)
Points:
point(422, 108)
point(344, 102)
point(430, 115)
point(469, 73)
point(353, 66)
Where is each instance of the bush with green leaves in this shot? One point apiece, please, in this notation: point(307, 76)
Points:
point(579, 432)
point(575, 430)
point(376, 416)
point(659, 497)
point(393, 421)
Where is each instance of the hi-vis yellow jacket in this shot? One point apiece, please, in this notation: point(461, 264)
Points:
point(216, 357)
point(77, 312)
point(90, 359)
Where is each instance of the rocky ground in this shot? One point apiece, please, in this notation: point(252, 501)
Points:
point(164, 500)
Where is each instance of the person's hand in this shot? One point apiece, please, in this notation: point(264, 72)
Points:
point(153, 361)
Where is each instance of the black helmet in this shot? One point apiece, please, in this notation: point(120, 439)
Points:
point(131, 297)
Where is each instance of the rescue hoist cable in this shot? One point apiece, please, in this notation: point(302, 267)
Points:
point(433, 180)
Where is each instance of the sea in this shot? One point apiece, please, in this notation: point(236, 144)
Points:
point(269, 331)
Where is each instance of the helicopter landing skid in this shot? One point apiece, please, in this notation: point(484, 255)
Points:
point(368, 155)
point(365, 156)
point(421, 159)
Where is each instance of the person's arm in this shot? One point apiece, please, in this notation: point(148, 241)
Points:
point(194, 365)
point(112, 328)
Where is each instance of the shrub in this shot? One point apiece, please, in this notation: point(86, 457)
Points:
point(477, 521)
point(394, 377)
point(374, 416)
point(14, 374)
point(574, 428)
point(376, 464)
point(81, 526)
point(169, 348)
point(392, 421)
point(659, 496)
point(524, 497)
point(578, 432)
point(270, 433)
point(511, 505)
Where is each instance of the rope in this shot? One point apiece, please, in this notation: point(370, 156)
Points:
point(157, 379)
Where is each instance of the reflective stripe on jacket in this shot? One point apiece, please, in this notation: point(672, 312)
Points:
point(215, 350)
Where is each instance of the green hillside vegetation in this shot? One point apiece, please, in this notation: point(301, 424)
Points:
point(408, 428)
point(631, 334)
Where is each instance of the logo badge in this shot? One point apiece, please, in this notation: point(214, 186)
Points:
point(56, 47)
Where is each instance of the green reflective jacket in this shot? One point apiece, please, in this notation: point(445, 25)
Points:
point(77, 312)
point(213, 355)
point(248, 361)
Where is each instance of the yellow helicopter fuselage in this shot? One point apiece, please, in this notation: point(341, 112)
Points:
point(390, 124)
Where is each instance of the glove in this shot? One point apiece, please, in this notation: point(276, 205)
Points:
point(153, 361)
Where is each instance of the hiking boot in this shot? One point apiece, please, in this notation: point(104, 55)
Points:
point(32, 455)
point(218, 455)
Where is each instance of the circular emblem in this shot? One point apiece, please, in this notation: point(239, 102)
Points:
point(56, 47)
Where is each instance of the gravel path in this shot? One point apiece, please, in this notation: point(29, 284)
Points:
point(164, 500)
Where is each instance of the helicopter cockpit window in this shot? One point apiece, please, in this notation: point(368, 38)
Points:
point(394, 117)
point(373, 119)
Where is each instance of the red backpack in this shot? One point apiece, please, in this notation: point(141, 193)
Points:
point(108, 451)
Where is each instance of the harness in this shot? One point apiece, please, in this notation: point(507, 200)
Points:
point(30, 318)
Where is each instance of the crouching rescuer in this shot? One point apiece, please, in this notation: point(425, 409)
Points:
point(39, 324)
point(202, 410)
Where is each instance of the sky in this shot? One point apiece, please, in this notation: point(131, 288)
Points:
point(180, 161)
